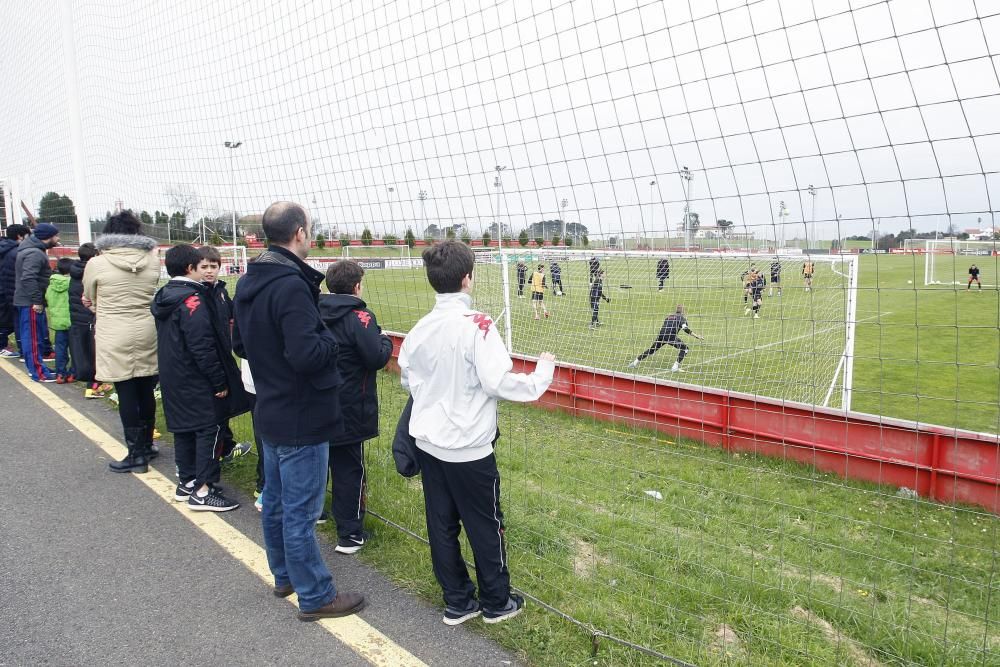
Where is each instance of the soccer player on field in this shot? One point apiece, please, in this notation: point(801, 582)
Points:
point(807, 273)
point(662, 272)
point(596, 294)
point(595, 268)
point(755, 284)
point(557, 286)
point(973, 275)
point(538, 290)
point(775, 277)
point(672, 326)
point(746, 279)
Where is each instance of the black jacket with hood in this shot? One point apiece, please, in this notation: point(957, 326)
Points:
point(8, 253)
point(195, 359)
point(31, 273)
point(363, 350)
point(292, 354)
point(79, 314)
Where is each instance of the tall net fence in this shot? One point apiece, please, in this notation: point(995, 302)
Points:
point(731, 509)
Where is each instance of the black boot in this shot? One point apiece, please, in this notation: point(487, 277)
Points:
point(151, 447)
point(136, 460)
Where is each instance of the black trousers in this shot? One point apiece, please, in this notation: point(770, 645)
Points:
point(194, 454)
point(595, 307)
point(7, 325)
point(673, 341)
point(466, 494)
point(520, 286)
point(556, 282)
point(136, 403)
point(347, 471)
point(81, 350)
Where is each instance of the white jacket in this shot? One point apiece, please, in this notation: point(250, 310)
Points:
point(455, 365)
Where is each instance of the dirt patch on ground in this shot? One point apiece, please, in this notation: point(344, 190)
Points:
point(726, 641)
point(855, 652)
point(585, 558)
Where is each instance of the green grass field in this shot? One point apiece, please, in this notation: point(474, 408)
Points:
point(929, 354)
point(711, 557)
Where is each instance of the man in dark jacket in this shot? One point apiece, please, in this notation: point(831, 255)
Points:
point(662, 271)
point(199, 379)
point(8, 314)
point(31, 278)
point(294, 361)
point(81, 321)
point(363, 350)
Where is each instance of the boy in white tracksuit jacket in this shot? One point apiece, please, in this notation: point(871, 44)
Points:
point(455, 366)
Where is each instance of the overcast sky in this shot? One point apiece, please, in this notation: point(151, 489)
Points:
point(890, 109)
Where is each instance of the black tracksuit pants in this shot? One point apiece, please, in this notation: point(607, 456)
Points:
point(194, 454)
point(347, 471)
point(81, 351)
point(466, 494)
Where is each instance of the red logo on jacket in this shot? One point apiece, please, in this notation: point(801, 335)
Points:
point(192, 303)
point(364, 317)
point(484, 323)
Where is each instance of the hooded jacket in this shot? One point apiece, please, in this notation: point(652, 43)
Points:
point(8, 253)
point(79, 314)
point(293, 355)
point(57, 302)
point(363, 350)
point(195, 358)
point(31, 273)
point(121, 282)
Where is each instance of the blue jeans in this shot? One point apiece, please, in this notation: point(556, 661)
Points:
point(294, 491)
point(63, 363)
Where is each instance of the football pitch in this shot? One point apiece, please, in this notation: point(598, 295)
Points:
point(928, 354)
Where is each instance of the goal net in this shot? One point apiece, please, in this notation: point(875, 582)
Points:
point(375, 251)
point(952, 262)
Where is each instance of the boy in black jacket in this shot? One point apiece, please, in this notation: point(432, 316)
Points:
point(199, 379)
point(363, 351)
point(226, 448)
point(81, 323)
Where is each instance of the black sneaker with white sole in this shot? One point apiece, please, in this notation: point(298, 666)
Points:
point(351, 544)
point(213, 501)
point(454, 616)
point(183, 492)
point(515, 603)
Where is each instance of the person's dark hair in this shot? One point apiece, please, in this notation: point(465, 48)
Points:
point(282, 221)
point(447, 264)
point(123, 223)
point(180, 259)
point(16, 231)
point(210, 254)
point(63, 265)
point(343, 276)
point(541, 267)
point(87, 252)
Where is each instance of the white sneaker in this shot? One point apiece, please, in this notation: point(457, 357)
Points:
point(756, 316)
point(634, 363)
point(8, 354)
point(746, 311)
point(676, 367)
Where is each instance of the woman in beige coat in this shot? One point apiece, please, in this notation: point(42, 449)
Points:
point(118, 285)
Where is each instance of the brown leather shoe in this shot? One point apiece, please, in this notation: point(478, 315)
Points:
point(344, 604)
point(283, 591)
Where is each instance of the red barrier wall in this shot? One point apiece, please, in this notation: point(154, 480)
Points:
point(949, 465)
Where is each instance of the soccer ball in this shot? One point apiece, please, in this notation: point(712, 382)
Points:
point(909, 282)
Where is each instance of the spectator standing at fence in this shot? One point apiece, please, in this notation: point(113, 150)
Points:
point(209, 264)
point(294, 360)
point(57, 313)
point(31, 274)
point(364, 350)
point(118, 285)
point(200, 382)
point(455, 366)
point(8, 313)
point(81, 323)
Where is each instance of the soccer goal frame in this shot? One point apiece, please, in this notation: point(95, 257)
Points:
point(234, 260)
point(945, 261)
point(400, 251)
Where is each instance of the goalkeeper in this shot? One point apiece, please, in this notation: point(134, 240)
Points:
point(672, 326)
point(596, 294)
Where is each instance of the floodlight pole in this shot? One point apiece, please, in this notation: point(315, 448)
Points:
point(782, 213)
point(812, 193)
point(422, 196)
point(687, 176)
point(232, 146)
point(564, 203)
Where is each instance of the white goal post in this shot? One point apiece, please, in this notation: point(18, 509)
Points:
point(401, 251)
point(947, 261)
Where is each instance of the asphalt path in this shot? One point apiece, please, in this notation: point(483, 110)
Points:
point(96, 568)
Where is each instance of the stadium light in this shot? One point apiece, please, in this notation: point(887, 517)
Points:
point(652, 225)
point(422, 196)
point(232, 146)
point(687, 176)
point(782, 213)
point(812, 193)
point(564, 203)
point(498, 184)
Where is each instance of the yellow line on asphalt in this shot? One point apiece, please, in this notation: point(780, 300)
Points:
point(352, 631)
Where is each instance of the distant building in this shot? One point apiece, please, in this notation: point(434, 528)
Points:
point(984, 234)
point(713, 232)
